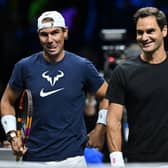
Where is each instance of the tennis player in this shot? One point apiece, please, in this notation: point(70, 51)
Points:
point(58, 80)
point(140, 85)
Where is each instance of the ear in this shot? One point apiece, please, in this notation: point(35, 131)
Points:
point(164, 31)
point(66, 33)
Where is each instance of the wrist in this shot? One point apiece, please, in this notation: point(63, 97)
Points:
point(8, 123)
point(102, 114)
point(116, 159)
point(11, 135)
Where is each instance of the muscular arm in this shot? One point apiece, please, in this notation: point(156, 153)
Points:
point(102, 90)
point(114, 118)
point(8, 100)
point(97, 135)
point(8, 110)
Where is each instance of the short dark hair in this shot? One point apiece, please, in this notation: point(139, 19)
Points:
point(151, 11)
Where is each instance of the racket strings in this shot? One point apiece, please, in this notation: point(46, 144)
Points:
point(24, 119)
point(24, 110)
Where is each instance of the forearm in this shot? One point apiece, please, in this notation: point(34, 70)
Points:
point(114, 143)
point(8, 118)
point(7, 109)
point(114, 136)
point(97, 135)
point(8, 101)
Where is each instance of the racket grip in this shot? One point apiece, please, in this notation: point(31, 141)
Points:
point(17, 157)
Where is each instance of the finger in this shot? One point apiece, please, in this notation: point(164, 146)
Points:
point(24, 150)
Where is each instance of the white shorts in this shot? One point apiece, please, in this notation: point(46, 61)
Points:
point(72, 162)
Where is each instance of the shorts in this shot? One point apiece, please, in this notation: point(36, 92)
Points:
point(72, 162)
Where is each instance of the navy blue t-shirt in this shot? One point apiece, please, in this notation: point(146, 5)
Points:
point(58, 129)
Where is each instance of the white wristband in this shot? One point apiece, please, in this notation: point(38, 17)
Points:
point(8, 123)
point(102, 114)
point(116, 159)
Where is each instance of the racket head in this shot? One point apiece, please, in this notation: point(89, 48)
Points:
point(24, 109)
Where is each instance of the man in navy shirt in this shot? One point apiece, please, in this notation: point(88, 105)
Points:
point(58, 80)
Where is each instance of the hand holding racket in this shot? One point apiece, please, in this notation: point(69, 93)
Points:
point(24, 109)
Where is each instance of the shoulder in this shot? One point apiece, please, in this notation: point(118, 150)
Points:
point(31, 58)
point(28, 62)
point(130, 62)
point(127, 68)
point(76, 57)
point(77, 61)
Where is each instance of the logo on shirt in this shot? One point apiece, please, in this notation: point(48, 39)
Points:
point(52, 81)
point(47, 93)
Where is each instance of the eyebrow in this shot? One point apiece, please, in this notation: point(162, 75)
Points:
point(147, 30)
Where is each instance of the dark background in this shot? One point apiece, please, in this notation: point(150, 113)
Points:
point(85, 19)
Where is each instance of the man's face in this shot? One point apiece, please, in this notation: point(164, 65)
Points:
point(149, 35)
point(52, 40)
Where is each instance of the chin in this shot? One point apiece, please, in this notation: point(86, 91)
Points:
point(53, 54)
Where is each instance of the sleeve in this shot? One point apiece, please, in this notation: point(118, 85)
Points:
point(16, 78)
point(93, 79)
point(116, 89)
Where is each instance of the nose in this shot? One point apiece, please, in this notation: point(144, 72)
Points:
point(50, 38)
point(144, 36)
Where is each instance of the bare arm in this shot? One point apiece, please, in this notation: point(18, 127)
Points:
point(114, 118)
point(114, 136)
point(102, 90)
point(97, 135)
point(8, 119)
point(8, 100)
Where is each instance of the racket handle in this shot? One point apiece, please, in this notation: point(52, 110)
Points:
point(17, 157)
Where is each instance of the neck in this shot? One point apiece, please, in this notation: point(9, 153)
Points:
point(54, 58)
point(154, 58)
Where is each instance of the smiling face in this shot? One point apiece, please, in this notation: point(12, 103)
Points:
point(52, 41)
point(149, 35)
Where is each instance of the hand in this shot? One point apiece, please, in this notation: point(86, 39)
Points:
point(17, 146)
point(96, 137)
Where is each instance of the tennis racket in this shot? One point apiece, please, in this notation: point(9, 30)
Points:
point(24, 109)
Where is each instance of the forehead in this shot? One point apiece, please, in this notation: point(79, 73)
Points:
point(147, 22)
point(50, 29)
